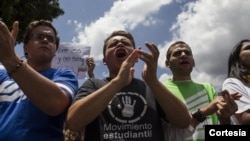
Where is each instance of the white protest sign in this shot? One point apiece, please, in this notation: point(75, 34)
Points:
point(72, 56)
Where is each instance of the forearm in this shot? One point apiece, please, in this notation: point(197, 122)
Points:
point(175, 110)
point(245, 117)
point(209, 109)
point(40, 90)
point(199, 115)
point(85, 110)
point(91, 74)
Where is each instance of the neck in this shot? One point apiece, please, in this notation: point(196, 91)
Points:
point(181, 78)
point(39, 66)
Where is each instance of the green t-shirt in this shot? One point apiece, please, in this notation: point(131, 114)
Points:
point(194, 95)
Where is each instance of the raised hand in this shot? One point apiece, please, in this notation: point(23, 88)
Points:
point(91, 66)
point(226, 104)
point(126, 72)
point(151, 61)
point(7, 40)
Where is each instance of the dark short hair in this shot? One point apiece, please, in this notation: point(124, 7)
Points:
point(118, 33)
point(172, 45)
point(37, 23)
point(235, 68)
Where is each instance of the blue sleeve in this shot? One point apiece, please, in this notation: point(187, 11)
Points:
point(67, 81)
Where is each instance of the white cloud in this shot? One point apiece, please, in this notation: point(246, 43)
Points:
point(124, 15)
point(164, 77)
point(210, 27)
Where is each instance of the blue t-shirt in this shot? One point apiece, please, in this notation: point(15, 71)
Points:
point(21, 120)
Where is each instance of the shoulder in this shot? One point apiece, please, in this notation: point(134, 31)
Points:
point(232, 80)
point(207, 85)
point(168, 82)
point(95, 82)
point(138, 82)
point(233, 84)
point(60, 71)
point(63, 73)
point(62, 76)
point(210, 90)
point(63, 70)
point(98, 81)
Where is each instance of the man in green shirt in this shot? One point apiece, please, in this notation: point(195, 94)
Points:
point(202, 100)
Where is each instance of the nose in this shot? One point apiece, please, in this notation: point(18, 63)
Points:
point(183, 53)
point(45, 38)
point(120, 44)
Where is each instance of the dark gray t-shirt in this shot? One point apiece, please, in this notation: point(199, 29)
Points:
point(132, 115)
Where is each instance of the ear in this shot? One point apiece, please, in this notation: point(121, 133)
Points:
point(104, 61)
point(167, 63)
point(25, 49)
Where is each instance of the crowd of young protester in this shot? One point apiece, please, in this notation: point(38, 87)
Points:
point(38, 102)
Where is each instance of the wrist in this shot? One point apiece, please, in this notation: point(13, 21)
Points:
point(18, 66)
point(91, 76)
point(198, 115)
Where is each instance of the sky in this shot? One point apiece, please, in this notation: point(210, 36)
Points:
point(210, 27)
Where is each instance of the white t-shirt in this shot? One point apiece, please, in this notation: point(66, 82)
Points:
point(234, 85)
point(175, 134)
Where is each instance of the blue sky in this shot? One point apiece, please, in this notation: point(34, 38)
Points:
point(210, 27)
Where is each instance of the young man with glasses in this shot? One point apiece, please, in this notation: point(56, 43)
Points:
point(33, 96)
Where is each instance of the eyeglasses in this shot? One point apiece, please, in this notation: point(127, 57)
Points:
point(40, 37)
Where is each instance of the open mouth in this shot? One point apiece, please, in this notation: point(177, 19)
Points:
point(44, 46)
point(184, 62)
point(121, 53)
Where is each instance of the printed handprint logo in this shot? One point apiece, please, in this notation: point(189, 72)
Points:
point(128, 109)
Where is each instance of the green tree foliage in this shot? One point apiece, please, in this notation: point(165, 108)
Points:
point(26, 11)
